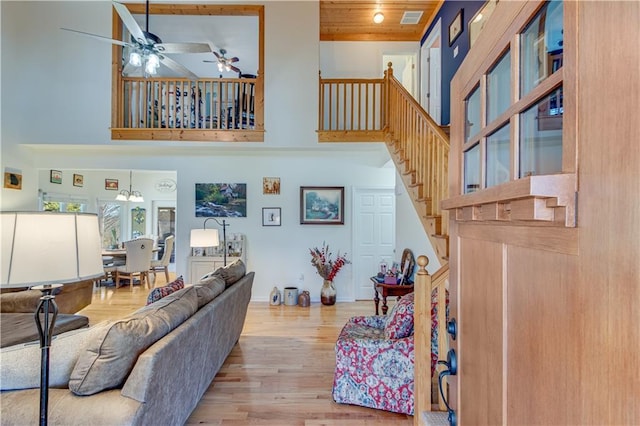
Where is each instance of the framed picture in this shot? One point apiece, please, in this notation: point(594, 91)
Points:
point(455, 28)
point(322, 205)
point(271, 185)
point(271, 216)
point(55, 176)
point(13, 179)
point(111, 184)
point(78, 180)
point(221, 200)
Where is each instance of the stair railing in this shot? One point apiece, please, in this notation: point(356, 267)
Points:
point(425, 286)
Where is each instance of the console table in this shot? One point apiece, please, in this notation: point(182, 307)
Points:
point(388, 290)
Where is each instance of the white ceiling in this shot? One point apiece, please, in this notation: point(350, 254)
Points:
point(237, 34)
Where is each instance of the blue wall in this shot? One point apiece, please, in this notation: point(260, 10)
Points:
point(447, 12)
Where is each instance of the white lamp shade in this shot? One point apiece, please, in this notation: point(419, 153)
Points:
point(49, 248)
point(204, 238)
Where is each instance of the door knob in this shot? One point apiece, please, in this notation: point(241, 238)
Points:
point(452, 328)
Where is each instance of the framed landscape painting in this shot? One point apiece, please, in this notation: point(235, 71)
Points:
point(322, 205)
point(221, 200)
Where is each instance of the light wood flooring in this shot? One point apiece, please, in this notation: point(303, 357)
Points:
point(280, 372)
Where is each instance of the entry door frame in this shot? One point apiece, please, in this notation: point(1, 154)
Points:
point(431, 73)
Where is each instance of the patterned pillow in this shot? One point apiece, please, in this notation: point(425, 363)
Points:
point(160, 292)
point(400, 320)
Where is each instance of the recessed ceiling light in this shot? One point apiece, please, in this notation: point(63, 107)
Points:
point(378, 17)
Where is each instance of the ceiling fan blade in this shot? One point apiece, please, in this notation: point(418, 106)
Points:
point(217, 55)
point(101, 38)
point(232, 60)
point(212, 62)
point(235, 69)
point(130, 22)
point(179, 68)
point(183, 47)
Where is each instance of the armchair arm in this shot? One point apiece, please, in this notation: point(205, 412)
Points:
point(375, 321)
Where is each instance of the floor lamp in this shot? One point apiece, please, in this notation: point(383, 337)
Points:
point(224, 225)
point(45, 250)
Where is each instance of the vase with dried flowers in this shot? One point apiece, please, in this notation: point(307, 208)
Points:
point(327, 268)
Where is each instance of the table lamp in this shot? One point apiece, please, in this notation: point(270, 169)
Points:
point(204, 238)
point(45, 250)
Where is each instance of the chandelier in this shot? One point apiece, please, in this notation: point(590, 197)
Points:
point(130, 195)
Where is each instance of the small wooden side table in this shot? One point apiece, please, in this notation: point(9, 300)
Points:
point(388, 290)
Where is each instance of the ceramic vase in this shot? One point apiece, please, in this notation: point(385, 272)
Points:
point(304, 299)
point(275, 297)
point(328, 293)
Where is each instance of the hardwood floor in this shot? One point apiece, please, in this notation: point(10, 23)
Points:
point(280, 372)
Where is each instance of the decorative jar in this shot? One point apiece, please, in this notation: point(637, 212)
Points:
point(328, 293)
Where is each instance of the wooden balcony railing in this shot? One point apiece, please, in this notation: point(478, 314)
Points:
point(351, 110)
point(217, 109)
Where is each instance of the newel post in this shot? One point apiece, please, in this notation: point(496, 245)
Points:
point(386, 102)
point(422, 340)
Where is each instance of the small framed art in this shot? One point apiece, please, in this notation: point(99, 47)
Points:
point(271, 216)
point(455, 28)
point(322, 205)
point(55, 176)
point(78, 180)
point(271, 185)
point(13, 179)
point(111, 184)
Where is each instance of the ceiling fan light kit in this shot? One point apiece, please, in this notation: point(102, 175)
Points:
point(147, 49)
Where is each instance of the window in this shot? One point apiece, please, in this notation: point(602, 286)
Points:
point(534, 95)
point(62, 203)
point(111, 223)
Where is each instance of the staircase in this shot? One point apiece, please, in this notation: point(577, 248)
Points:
point(381, 110)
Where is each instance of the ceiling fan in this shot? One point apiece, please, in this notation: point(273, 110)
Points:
point(224, 63)
point(147, 49)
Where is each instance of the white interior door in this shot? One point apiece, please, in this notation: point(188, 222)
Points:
point(374, 235)
point(404, 70)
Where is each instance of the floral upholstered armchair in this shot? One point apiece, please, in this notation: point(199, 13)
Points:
point(375, 360)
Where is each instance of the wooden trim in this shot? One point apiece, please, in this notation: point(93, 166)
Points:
point(351, 136)
point(188, 135)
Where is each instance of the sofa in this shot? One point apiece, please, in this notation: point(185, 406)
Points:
point(70, 298)
point(151, 367)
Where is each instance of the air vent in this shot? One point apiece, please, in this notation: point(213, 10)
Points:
point(411, 17)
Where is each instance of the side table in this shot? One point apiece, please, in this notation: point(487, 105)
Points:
point(388, 290)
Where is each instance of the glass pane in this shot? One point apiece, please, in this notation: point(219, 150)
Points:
point(541, 137)
point(111, 224)
point(472, 169)
point(472, 114)
point(499, 88)
point(138, 222)
point(541, 46)
point(498, 163)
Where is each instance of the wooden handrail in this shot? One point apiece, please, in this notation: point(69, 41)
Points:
point(423, 148)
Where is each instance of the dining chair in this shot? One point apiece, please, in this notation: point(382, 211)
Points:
point(163, 263)
point(138, 261)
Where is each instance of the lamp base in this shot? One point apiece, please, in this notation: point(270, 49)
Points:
point(45, 331)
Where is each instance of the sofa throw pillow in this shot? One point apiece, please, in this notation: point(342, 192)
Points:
point(160, 292)
point(20, 366)
point(210, 290)
point(232, 272)
point(400, 320)
point(109, 358)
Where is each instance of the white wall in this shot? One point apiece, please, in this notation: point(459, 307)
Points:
point(56, 99)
